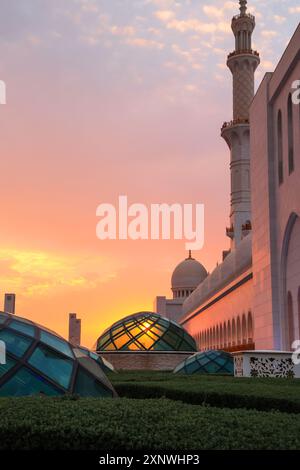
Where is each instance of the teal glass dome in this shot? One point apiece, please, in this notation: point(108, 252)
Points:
point(145, 331)
point(207, 362)
point(37, 361)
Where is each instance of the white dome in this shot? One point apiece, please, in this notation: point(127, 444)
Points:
point(188, 274)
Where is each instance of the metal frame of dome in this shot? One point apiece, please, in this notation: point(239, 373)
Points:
point(145, 331)
point(38, 361)
point(105, 365)
point(207, 362)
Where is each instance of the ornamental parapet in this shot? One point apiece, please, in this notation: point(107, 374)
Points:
point(243, 51)
point(230, 232)
point(245, 15)
point(234, 122)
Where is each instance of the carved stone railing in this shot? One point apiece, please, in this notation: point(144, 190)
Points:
point(241, 52)
point(234, 122)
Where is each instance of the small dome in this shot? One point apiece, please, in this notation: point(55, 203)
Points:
point(207, 362)
point(188, 274)
point(145, 331)
point(40, 362)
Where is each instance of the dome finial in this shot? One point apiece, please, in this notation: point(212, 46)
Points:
point(190, 255)
point(243, 7)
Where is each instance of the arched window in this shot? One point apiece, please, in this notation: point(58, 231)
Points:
point(250, 328)
point(290, 134)
point(218, 335)
point(214, 338)
point(225, 335)
point(280, 147)
point(290, 321)
point(229, 334)
point(244, 330)
point(221, 336)
point(238, 331)
point(233, 333)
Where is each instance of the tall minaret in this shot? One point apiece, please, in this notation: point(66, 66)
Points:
point(242, 64)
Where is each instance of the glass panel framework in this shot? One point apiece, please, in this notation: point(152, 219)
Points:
point(208, 362)
point(146, 331)
point(39, 362)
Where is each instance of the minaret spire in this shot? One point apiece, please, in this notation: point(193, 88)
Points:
point(243, 6)
point(242, 63)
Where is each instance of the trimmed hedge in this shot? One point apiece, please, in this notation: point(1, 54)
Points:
point(226, 400)
point(228, 392)
point(122, 424)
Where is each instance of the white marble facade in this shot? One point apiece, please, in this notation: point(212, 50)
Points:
point(252, 300)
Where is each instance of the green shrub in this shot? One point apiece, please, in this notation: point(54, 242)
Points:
point(122, 424)
point(259, 394)
point(226, 400)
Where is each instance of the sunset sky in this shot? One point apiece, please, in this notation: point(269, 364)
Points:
point(111, 97)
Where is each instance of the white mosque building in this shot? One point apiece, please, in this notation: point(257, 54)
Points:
point(252, 300)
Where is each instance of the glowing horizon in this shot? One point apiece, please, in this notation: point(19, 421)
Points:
point(107, 98)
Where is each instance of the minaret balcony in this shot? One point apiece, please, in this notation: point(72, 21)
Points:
point(235, 122)
point(247, 15)
point(230, 232)
point(243, 52)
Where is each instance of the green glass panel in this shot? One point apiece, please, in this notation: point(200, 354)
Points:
point(184, 346)
point(53, 365)
point(221, 361)
point(94, 356)
point(3, 318)
point(203, 360)
point(15, 344)
point(103, 342)
point(161, 346)
point(193, 367)
point(25, 383)
point(22, 328)
point(6, 367)
point(172, 339)
point(164, 323)
point(87, 386)
point(56, 343)
point(211, 368)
